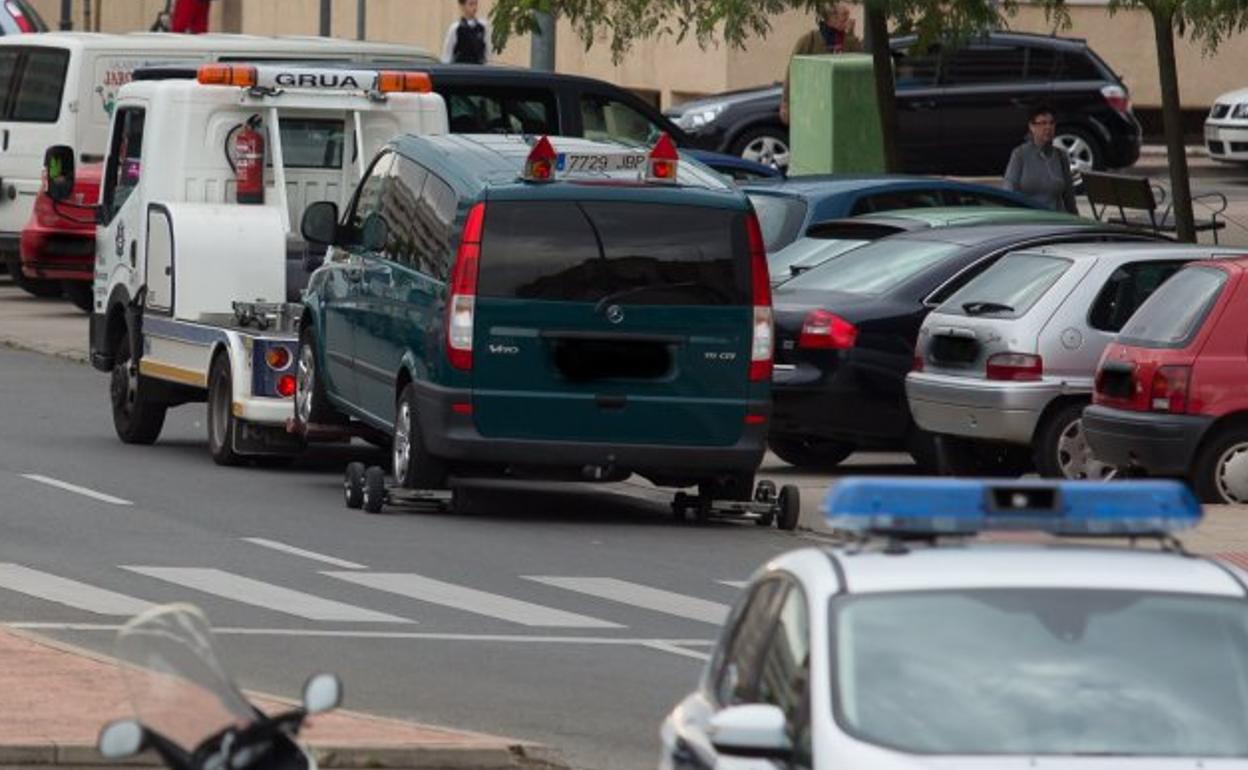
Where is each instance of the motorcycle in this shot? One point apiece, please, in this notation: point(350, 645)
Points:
point(189, 711)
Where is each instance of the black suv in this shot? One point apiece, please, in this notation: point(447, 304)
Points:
point(959, 111)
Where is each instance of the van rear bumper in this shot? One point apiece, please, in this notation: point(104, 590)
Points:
point(453, 436)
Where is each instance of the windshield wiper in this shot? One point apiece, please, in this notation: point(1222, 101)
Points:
point(622, 293)
point(980, 307)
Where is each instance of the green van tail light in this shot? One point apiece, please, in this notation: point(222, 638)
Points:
point(1170, 385)
point(762, 345)
point(461, 309)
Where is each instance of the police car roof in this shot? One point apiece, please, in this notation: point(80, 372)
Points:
point(496, 161)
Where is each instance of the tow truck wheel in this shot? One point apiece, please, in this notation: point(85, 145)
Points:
point(374, 489)
point(136, 417)
point(414, 467)
point(221, 420)
point(790, 504)
point(353, 485)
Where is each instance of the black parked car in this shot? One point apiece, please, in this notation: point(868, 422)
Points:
point(846, 332)
point(959, 111)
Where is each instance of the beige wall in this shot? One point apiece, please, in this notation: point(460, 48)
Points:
point(680, 70)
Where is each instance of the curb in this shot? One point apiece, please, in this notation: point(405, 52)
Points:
point(76, 356)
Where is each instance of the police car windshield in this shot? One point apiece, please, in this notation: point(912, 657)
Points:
point(1035, 672)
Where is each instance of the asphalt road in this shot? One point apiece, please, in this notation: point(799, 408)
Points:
point(575, 617)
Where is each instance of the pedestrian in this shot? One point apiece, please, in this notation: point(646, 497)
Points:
point(467, 40)
point(190, 16)
point(834, 34)
point(1039, 170)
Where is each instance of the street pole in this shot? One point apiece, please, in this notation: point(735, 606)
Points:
point(542, 50)
point(361, 19)
point(67, 14)
point(326, 10)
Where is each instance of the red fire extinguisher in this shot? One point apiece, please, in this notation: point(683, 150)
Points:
point(249, 162)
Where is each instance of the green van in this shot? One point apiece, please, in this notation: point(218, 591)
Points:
point(493, 306)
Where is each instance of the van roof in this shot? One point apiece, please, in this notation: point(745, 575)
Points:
point(142, 42)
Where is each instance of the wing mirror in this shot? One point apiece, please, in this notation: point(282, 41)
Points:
point(320, 223)
point(121, 739)
point(323, 692)
point(756, 730)
point(58, 169)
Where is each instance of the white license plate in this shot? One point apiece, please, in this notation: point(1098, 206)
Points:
point(595, 163)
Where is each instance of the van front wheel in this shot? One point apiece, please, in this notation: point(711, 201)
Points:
point(414, 467)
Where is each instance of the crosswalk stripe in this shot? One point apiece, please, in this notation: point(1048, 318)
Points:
point(734, 583)
point(266, 595)
point(277, 545)
point(470, 600)
point(71, 593)
point(638, 595)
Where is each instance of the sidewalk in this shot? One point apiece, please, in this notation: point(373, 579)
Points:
point(51, 326)
point(57, 697)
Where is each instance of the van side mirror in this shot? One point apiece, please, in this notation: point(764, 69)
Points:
point(320, 223)
point(756, 730)
point(58, 169)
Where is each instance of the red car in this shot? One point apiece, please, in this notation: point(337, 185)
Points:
point(1172, 392)
point(58, 253)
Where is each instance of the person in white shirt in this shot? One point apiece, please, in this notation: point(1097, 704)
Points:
point(467, 40)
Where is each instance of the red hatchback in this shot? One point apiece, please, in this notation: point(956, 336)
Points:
point(58, 253)
point(1172, 392)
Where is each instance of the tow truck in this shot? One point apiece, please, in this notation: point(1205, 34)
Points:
point(202, 179)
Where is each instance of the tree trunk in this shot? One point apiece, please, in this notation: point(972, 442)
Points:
point(875, 19)
point(1172, 122)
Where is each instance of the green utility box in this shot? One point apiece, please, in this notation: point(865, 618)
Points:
point(834, 125)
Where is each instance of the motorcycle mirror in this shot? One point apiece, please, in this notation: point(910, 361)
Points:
point(123, 738)
point(323, 692)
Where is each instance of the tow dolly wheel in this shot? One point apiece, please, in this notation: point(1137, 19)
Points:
point(703, 504)
point(789, 505)
point(374, 489)
point(353, 485)
point(765, 492)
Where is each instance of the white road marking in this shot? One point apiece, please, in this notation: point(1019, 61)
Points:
point(266, 595)
point(471, 600)
point(285, 548)
point(71, 593)
point(734, 583)
point(65, 485)
point(665, 646)
point(638, 595)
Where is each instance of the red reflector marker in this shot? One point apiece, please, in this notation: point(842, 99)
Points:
point(286, 385)
point(664, 159)
point(540, 165)
point(461, 408)
point(755, 419)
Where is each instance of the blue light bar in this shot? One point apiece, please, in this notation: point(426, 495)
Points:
point(922, 507)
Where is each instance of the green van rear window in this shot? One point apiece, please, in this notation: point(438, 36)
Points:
point(633, 253)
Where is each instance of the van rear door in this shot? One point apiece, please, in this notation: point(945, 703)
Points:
point(619, 321)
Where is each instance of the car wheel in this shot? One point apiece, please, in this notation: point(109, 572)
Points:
point(80, 293)
point(1220, 473)
point(1062, 450)
point(311, 404)
point(137, 418)
point(221, 420)
point(33, 286)
point(810, 453)
point(414, 467)
point(1084, 150)
point(959, 456)
point(768, 145)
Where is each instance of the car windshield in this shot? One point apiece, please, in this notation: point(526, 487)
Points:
point(1173, 314)
point(1009, 288)
point(1042, 671)
point(875, 268)
point(780, 217)
point(807, 253)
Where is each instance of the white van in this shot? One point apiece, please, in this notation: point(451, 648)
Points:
point(62, 86)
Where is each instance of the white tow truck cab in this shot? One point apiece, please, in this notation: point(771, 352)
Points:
point(191, 285)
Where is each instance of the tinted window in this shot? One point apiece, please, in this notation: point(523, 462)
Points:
point(785, 672)
point(1125, 291)
point(806, 254)
point(1012, 285)
point(915, 71)
point(1041, 63)
point(780, 218)
point(8, 68)
point(1079, 67)
point(312, 143)
point(126, 155)
point(604, 118)
point(501, 112)
point(1173, 314)
point(420, 214)
point(985, 64)
point(897, 199)
point(368, 195)
point(737, 676)
point(875, 268)
point(1039, 672)
point(975, 198)
point(38, 95)
point(639, 253)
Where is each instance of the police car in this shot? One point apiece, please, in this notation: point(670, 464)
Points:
point(914, 646)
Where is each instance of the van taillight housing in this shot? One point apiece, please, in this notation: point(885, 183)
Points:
point(462, 305)
point(1169, 391)
point(1016, 367)
point(825, 330)
point(762, 344)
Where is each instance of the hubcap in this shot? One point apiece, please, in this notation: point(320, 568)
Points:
point(402, 442)
point(1232, 474)
point(1075, 457)
point(768, 151)
point(1079, 151)
point(304, 376)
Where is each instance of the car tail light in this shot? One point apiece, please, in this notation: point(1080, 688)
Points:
point(1169, 391)
point(286, 385)
point(1018, 367)
point(824, 330)
point(19, 18)
point(1117, 98)
point(762, 344)
point(461, 308)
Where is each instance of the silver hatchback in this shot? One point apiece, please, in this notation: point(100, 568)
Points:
point(1004, 368)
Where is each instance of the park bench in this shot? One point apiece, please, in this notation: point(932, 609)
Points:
point(1123, 193)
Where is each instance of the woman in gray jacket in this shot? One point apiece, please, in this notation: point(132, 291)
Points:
point(1039, 170)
